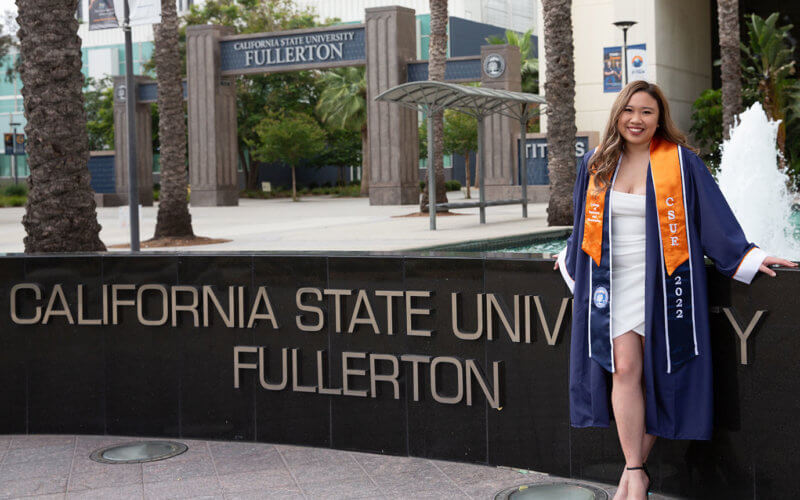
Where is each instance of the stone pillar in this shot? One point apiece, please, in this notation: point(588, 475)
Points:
point(213, 149)
point(501, 133)
point(144, 149)
point(393, 144)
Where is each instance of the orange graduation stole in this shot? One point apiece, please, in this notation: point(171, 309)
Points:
point(666, 174)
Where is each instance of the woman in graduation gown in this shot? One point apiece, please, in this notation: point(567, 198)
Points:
point(651, 347)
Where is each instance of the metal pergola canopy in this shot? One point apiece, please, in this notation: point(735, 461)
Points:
point(432, 97)
point(475, 101)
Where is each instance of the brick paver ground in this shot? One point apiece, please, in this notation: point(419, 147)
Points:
point(57, 467)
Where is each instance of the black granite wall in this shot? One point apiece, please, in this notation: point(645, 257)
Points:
point(178, 381)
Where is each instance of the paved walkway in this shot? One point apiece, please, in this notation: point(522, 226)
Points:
point(314, 223)
point(56, 467)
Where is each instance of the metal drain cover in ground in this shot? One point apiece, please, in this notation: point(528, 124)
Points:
point(552, 491)
point(138, 452)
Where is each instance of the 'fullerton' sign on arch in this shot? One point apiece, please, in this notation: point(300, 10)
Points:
point(293, 50)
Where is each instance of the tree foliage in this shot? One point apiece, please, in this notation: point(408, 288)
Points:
point(342, 106)
point(707, 126)
point(461, 138)
point(460, 133)
point(768, 68)
point(291, 138)
point(769, 76)
point(98, 96)
point(343, 100)
point(529, 66)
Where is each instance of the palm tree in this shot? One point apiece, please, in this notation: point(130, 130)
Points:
point(769, 68)
point(729, 47)
point(343, 104)
point(437, 57)
point(529, 67)
point(173, 219)
point(560, 94)
point(60, 215)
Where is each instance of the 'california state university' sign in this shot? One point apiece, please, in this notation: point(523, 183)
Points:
point(293, 50)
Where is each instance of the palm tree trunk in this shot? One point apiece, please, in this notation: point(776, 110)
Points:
point(364, 161)
point(173, 207)
point(466, 171)
point(560, 94)
point(60, 215)
point(728, 16)
point(437, 57)
point(294, 185)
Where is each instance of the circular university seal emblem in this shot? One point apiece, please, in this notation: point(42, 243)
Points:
point(494, 65)
point(122, 92)
point(600, 297)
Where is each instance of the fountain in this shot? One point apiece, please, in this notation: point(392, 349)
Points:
point(754, 186)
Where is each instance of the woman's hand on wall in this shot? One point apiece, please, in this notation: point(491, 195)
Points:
point(770, 261)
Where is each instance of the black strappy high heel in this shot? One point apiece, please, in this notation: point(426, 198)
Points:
point(643, 468)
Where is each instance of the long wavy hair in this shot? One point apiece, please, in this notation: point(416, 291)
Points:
point(604, 160)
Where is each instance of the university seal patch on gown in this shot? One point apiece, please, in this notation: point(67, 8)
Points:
point(687, 217)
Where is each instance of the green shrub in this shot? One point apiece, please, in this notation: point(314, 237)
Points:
point(707, 126)
point(352, 191)
point(421, 186)
point(13, 201)
point(453, 185)
point(156, 194)
point(16, 190)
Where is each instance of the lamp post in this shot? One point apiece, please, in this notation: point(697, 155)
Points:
point(14, 126)
point(625, 26)
point(130, 86)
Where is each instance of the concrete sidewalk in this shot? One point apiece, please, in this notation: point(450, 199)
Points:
point(57, 467)
point(314, 223)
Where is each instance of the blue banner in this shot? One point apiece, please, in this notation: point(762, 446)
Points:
point(612, 69)
point(102, 15)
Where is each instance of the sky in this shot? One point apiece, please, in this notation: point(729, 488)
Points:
point(6, 5)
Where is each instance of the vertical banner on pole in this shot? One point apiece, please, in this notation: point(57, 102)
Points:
point(612, 69)
point(637, 62)
point(102, 15)
point(145, 12)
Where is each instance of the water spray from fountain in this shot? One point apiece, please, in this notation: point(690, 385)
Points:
point(755, 187)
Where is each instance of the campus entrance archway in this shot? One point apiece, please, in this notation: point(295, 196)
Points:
point(386, 44)
point(214, 56)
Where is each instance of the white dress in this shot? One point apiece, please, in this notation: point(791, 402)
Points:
point(628, 263)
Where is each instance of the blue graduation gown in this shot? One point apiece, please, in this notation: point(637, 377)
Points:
point(679, 399)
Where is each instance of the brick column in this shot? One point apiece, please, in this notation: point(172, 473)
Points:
point(394, 155)
point(144, 150)
point(213, 154)
point(501, 133)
